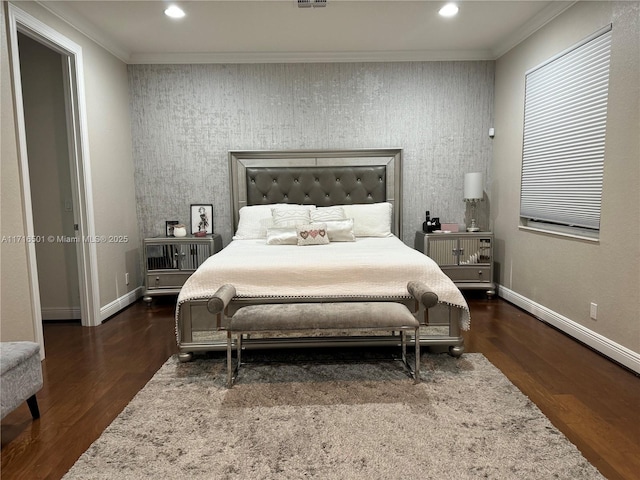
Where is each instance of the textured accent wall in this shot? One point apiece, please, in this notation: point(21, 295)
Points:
point(185, 119)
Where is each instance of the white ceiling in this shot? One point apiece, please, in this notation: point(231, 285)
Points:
point(278, 31)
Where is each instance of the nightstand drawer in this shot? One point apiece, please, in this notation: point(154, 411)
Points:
point(167, 280)
point(476, 273)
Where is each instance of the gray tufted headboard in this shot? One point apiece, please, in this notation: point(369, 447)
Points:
point(322, 178)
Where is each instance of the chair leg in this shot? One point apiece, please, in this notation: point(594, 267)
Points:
point(32, 401)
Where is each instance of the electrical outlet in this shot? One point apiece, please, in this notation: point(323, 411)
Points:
point(594, 311)
point(126, 278)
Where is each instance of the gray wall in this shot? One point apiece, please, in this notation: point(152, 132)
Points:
point(185, 119)
point(16, 317)
point(109, 143)
point(563, 274)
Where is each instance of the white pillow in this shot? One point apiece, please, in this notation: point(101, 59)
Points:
point(327, 214)
point(282, 236)
point(290, 217)
point(370, 219)
point(255, 219)
point(341, 230)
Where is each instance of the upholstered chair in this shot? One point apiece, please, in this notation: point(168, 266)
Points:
point(21, 376)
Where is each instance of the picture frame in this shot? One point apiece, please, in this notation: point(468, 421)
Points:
point(169, 227)
point(201, 219)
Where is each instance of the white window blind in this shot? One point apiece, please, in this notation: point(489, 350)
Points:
point(564, 135)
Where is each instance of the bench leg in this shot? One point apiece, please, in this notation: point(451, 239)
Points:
point(229, 362)
point(417, 367)
point(403, 343)
point(32, 401)
point(232, 372)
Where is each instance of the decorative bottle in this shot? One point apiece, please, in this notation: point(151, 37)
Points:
point(426, 226)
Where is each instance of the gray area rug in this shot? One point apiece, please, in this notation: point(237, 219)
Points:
point(353, 419)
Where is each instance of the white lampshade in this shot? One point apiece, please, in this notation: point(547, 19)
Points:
point(473, 186)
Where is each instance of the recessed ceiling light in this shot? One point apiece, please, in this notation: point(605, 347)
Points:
point(174, 12)
point(449, 10)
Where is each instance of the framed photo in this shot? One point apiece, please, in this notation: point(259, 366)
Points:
point(201, 219)
point(169, 227)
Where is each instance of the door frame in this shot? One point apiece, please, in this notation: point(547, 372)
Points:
point(77, 128)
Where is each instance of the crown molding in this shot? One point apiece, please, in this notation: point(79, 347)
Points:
point(86, 27)
point(308, 57)
point(550, 12)
point(90, 30)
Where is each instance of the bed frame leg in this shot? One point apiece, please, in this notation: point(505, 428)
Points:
point(185, 357)
point(456, 351)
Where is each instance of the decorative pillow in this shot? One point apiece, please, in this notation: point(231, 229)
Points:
point(312, 234)
point(327, 214)
point(255, 219)
point(341, 230)
point(370, 219)
point(282, 236)
point(290, 216)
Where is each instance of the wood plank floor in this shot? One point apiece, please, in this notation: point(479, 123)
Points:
point(90, 374)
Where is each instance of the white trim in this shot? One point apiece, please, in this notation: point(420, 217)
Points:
point(36, 313)
point(87, 28)
point(61, 313)
point(560, 231)
point(310, 57)
point(119, 303)
point(605, 346)
point(81, 24)
point(72, 53)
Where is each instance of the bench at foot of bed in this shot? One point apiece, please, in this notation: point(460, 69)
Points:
point(300, 317)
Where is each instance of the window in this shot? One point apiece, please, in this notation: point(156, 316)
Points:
point(564, 138)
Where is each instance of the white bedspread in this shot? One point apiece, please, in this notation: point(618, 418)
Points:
point(368, 267)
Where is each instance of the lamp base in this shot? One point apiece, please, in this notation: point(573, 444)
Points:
point(474, 226)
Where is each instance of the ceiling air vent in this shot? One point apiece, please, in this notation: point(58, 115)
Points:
point(311, 3)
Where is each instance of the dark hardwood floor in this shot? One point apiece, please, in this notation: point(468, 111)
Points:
point(90, 374)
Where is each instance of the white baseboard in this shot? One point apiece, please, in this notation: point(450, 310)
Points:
point(605, 346)
point(61, 313)
point(120, 303)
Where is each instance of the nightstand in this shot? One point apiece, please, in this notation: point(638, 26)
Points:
point(169, 261)
point(465, 257)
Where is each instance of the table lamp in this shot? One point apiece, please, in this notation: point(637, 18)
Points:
point(473, 193)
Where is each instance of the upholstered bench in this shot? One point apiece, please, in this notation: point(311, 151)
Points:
point(20, 376)
point(299, 317)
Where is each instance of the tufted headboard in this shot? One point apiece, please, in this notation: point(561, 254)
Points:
point(317, 177)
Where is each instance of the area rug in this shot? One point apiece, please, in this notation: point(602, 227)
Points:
point(350, 419)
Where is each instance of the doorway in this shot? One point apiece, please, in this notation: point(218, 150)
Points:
point(75, 119)
point(50, 179)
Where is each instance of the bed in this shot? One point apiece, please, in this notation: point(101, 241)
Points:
point(355, 198)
